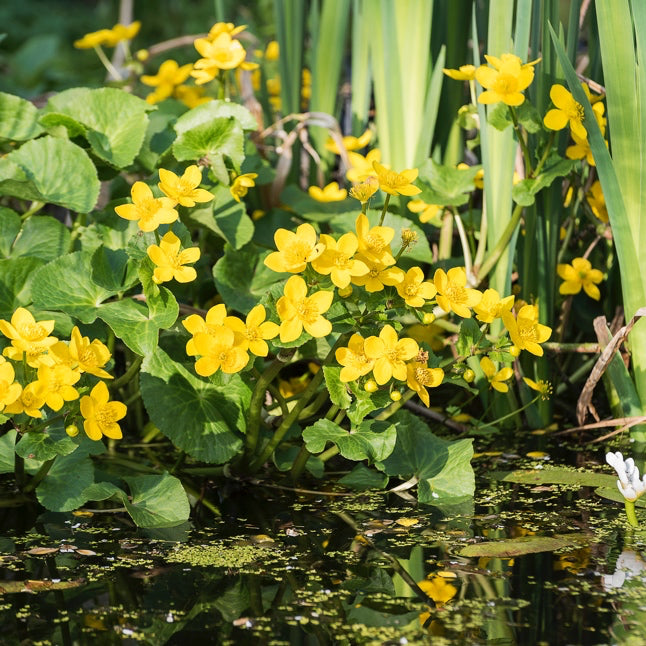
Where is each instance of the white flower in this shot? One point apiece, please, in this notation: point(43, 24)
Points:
point(630, 485)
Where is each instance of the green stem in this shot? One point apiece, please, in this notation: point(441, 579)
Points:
point(545, 155)
point(383, 211)
point(299, 463)
point(515, 412)
point(287, 422)
point(40, 475)
point(330, 453)
point(630, 513)
point(112, 70)
point(43, 425)
point(128, 374)
point(503, 241)
point(395, 406)
point(34, 208)
point(523, 144)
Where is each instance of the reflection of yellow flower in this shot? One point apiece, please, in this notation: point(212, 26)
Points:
point(330, 193)
point(101, 415)
point(452, 292)
point(496, 378)
point(353, 359)
point(297, 310)
point(505, 80)
point(463, 73)
point(390, 354)
point(168, 77)
point(148, 211)
point(337, 260)
point(184, 190)
point(170, 261)
point(597, 201)
point(295, 249)
point(577, 275)
point(419, 377)
point(241, 184)
point(350, 143)
point(396, 183)
point(525, 331)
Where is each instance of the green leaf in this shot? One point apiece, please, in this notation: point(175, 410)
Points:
point(226, 218)
point(159, 134)
point(445, 185)
point(7, 451)
point(68, 179)
point(467, 337)
point(114, 120)
point(561, 475)
point(525, 190)
point(373, 440)
point(284, 457)
point(365, 403)
point(499, 117)
point(242, 278)
point(65, 284)
point(18, 118)
point(63, 487)
point(514, 547)
point(363, 477)
point(214, 130)
point(42, 237)
point(16, 278)
point(310, 209)
point(112, 269)
point(338, 390)
point(443, 468)
point(200, 417)
point(10, 224)
point(45, 445)
point(157, 501)
point(102, 491)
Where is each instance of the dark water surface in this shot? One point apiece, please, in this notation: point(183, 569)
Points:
point(279, 567)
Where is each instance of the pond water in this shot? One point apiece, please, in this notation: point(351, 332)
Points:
point(283, 567)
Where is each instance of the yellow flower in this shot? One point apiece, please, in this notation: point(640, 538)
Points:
point(184, 190)
point(221, 53)
point(432, 212)
point(330, 193)
point(337, 262)
point(543, 388)
point(363, 191)
point(496, 378)
point(491, 306)
point(396, 183)
point(349, 143)
point(419, 377)
point(463, 73)
point(505, 79)
point(101, 415)
point(567, 110)
point(9, 388)
point(379, 274)
point(170, 261)
point(225, 27)
point(241, 184)
point(389, 354)
point(361, 167)
point(597, 201)
point(218, 350)
point(414, 289)
point(577, 275)
point(525, 331)
point(196, 324)
point(108, 37)
point(31, 400)
point(93, 39)
point(295, 249)
point(88, 357)
point(272, 51)
point(438, 588)
point(353, 359)
point(26, 334)
point(168, 77)
point(190, 95)
point(452, 293)
point(374, 242)
point(57, 383)
point(254, 330)
point(297, 311)
point(148, 211)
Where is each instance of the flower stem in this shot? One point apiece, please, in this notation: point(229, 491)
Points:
point(523, 144)
point(299, 463)
point(112, 70)
point(630, 513)
point(383, 211)
point(128, 375)
point(40, 475)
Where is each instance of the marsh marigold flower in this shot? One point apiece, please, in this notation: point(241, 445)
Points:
point(505, 80)
point(414, 289)
point(396, 183)
point(218, 350)
point(295, 249)
point(353, 359)
point(101, 415)
point(438, 588)
point(463, 73)
point(26, 334)
point(491, 305)
point(242, 184)
point(148, 211)
point(170, 261)
point(88, 356)
point(452, 292)
point(495, 377)
point(58, 385)
point(525, 331)
point(329, 193)
point(419, 377)
point(567, 110)
point(184, 190)
point(221, 53)
point(109, 37)
point(363, 191)
point(254, 330)
point(379, 274)
point(362, 167)
point(543, 388)
point(374, 242)
point(597, 201)
point(337, 260)
point(350, 143)
point(580, 274)
point(168, 77)
point(195, 324)
point(297, 310)
point(30, 401)
point(427, 212)
point(390, 354)
point(9, 388)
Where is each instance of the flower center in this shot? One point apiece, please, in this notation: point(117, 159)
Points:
point(423, 376)
point(456, 293)
point(104, 416)
point(375, 243)
point(32, 332)
point(307, 312)
point(506, 84)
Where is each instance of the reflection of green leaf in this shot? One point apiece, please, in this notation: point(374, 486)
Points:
point(371, 440)
point(443, 468)
point(16, 277)
point(284, 457)
point(7, 451)
point(513, 547)
point(614, 494)
point(68, 178)
point(198, 416)
point(561, 475)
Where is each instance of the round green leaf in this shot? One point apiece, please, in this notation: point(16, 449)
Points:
point(16, 276)
point(18, 118)
point(42, 237)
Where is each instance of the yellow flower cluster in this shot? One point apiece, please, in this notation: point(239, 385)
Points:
point(52, 370)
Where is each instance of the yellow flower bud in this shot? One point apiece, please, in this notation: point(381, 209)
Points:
point(142, 55)
point(72, 430)
point(514, 351)
point(344, 292)
point(428, 318)
point(370, 386)
point(395, 395)
point(468, 375)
